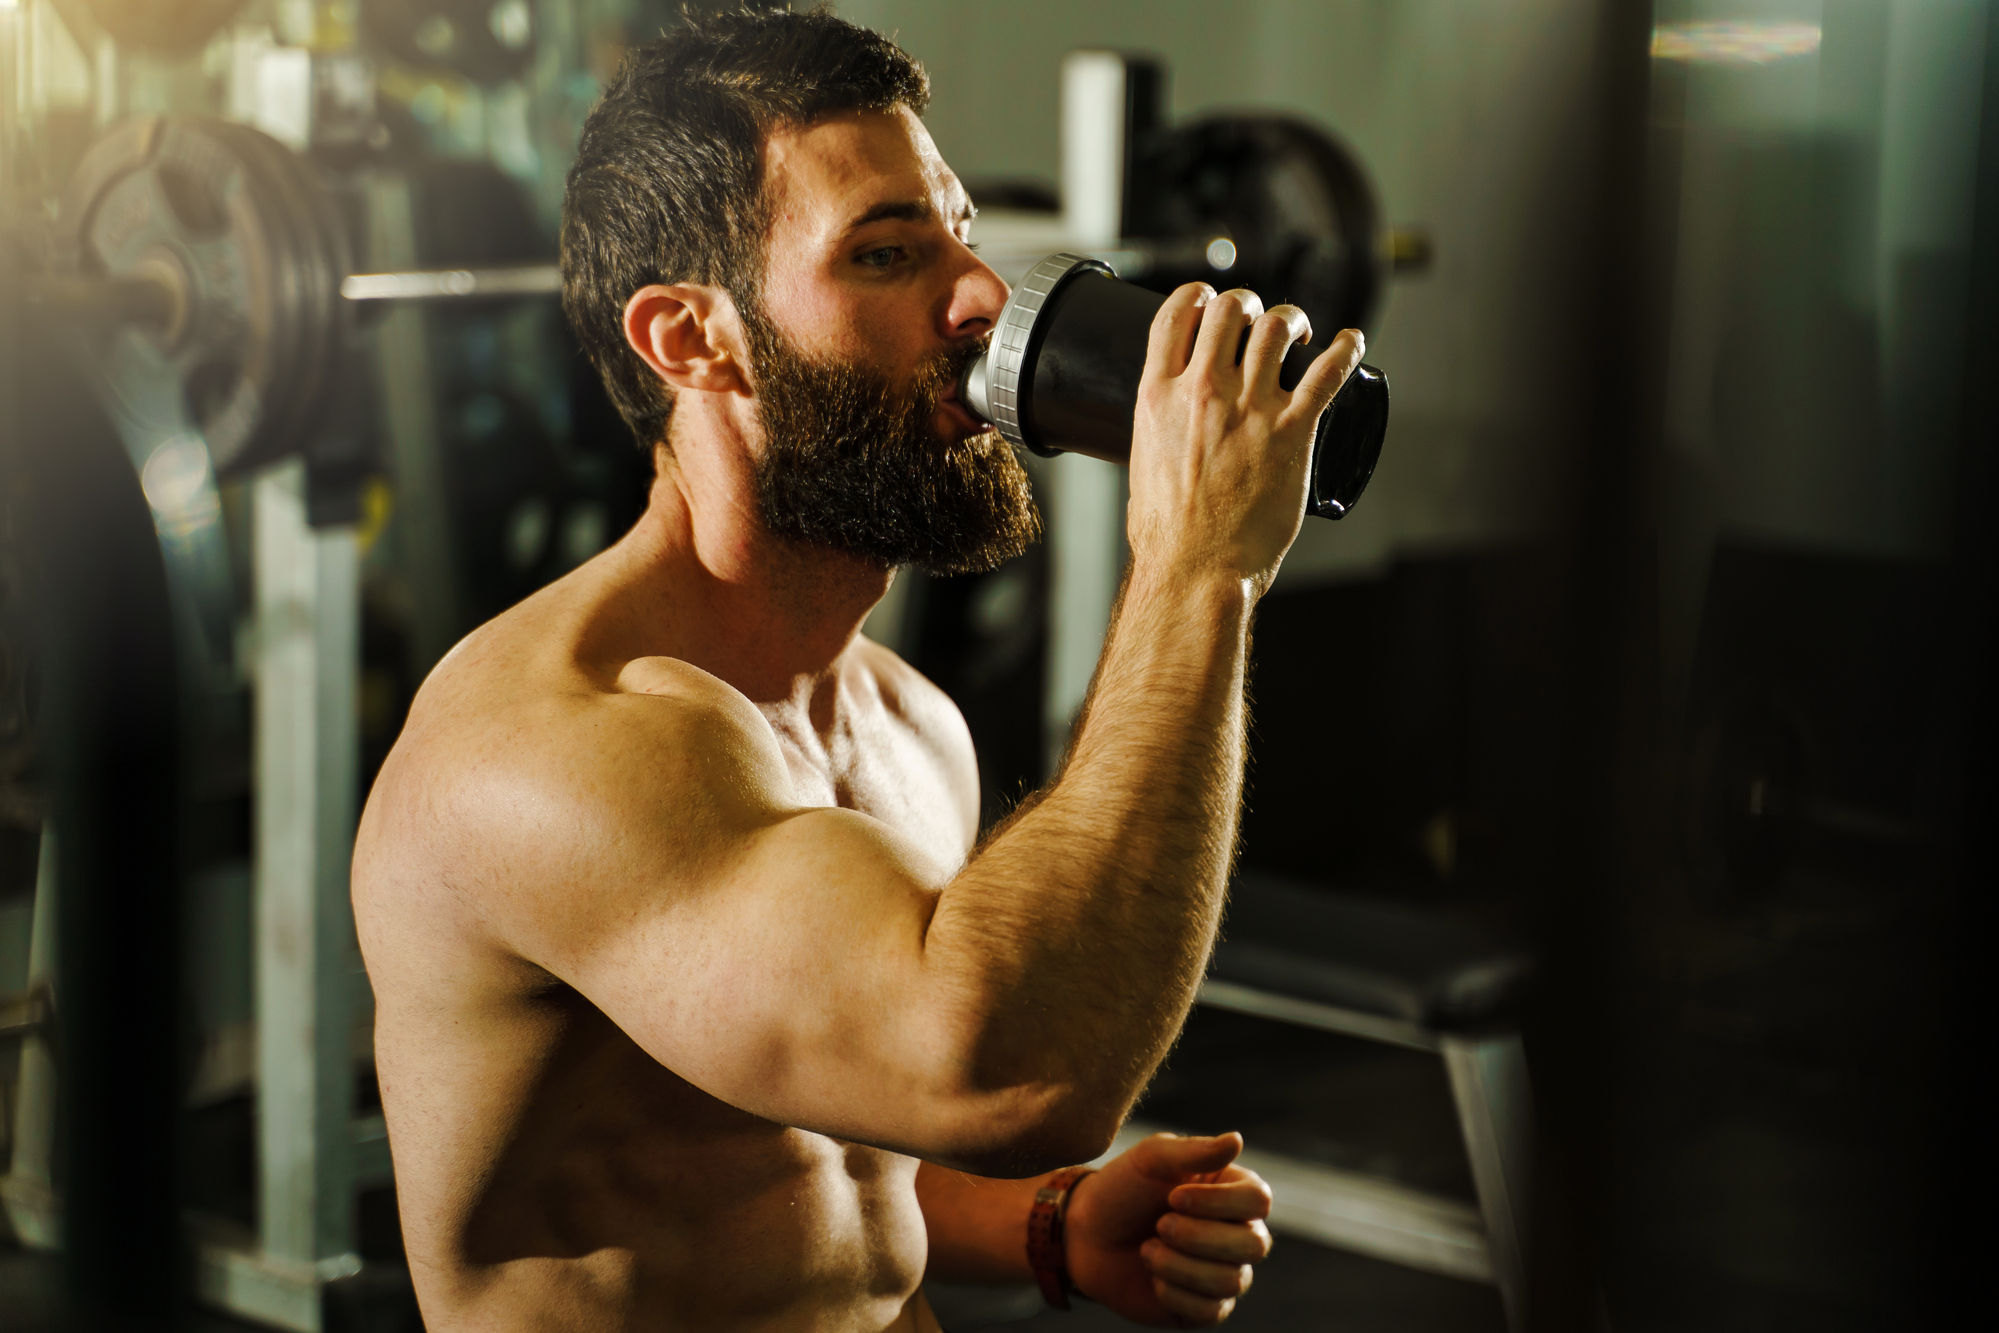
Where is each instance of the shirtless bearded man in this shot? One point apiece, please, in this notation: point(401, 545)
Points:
point(698, 1007)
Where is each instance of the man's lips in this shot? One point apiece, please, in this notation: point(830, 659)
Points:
point(958, 414)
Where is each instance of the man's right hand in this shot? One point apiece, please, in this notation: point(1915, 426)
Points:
point(1219, 451)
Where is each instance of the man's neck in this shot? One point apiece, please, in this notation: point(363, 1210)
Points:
point(769, 615)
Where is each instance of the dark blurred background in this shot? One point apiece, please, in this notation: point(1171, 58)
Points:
point(1638, 719)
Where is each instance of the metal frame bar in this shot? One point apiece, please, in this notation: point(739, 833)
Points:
point(1488, 1077)
point(1489, 1086)
point(1315, 1014)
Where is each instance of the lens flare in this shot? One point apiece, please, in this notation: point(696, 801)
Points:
point(1733, 42)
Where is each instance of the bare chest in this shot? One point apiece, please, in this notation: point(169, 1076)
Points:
point(884, 769)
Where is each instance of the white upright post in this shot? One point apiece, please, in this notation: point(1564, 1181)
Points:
point(1095, 98)
point(28, 1192)
point(307, 743)
point(1084, 497)
point(1084, 500)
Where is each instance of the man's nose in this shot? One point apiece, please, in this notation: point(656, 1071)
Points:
point(977, 297)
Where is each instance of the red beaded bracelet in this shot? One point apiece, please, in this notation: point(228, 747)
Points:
point(1047, 1253)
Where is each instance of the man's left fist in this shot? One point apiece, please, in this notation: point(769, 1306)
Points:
point(1167, 1234)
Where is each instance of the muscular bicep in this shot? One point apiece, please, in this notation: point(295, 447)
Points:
point(772, 955)
point(788, 962)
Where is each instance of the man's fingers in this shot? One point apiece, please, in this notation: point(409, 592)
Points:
point(1174, 328)
point(1190, 1310)
point(1222, 323)
point(1218, 1242)
point(1296, 323)
point(1170, 1157)
point(1327, 373)
point(1269, 340)
point(1239, 1199)
point(1217, 1282)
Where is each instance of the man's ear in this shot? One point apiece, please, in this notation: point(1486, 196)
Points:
point(690, 335)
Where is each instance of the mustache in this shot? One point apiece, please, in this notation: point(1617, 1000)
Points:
point(939, 375)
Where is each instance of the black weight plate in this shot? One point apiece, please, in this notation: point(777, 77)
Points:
point(271, 361)
point(1296, 202)
point(310, 257)
point(259, 250)
point(162, 192)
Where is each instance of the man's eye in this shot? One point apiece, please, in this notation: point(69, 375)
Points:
point(882, 258)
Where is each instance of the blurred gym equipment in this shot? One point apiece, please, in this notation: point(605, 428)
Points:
point(1298, 954)
point(485, 40)
point(198, 285)
point(213, 256)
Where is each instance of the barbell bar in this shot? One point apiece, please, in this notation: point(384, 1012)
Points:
point(155, 302)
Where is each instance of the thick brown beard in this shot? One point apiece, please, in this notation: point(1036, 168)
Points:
point(850, 463)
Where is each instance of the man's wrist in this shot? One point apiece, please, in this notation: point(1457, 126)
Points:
point(1199, 605)
point(1201, 584)
point(1069, 1238)
point(1047, 1235)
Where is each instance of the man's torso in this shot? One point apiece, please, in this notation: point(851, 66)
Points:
point(552, 1174)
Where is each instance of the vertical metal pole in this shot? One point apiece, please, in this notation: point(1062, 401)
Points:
point(423, 516)
point(1084, 497)
point(1488, 1077)
point(308, 654)
point(29, 1190)
point(1094, 100)
point(1599, 765)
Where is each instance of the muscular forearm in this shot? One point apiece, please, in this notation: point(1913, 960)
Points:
point(1081, 930)
point(977, 1226)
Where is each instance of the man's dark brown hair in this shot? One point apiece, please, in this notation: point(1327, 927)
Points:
point(668, 182)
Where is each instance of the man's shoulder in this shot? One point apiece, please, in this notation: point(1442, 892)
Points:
point(503, 784)
point(569, 733)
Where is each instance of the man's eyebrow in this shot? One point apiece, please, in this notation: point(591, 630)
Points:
point(906, 210)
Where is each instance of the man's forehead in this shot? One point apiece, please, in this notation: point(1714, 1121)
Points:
point(832, 174)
